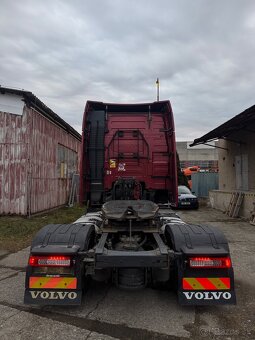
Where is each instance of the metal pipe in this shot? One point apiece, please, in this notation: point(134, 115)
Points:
point(157, 83)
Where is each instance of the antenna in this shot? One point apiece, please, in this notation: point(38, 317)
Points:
point(157, 83)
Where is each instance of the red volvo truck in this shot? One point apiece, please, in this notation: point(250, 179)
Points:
point(128, 236)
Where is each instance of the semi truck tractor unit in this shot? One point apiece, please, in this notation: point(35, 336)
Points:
point(129, 236)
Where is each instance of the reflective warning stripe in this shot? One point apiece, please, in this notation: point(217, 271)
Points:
point(217, 282)
point(53, 282)
point(201, 283)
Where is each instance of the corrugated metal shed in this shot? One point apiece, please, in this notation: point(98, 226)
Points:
point(39, 152)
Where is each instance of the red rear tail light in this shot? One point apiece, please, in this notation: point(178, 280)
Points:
point(49, 261)
point(210, 262)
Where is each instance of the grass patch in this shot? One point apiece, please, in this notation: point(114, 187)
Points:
point(17, 232)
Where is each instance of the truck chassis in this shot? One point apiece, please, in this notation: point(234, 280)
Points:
point(134, 244)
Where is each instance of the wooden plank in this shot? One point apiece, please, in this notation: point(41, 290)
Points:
point(232, 203)
point(238, 204)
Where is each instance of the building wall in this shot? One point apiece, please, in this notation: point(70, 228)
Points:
point(13, 163)
point(220, 199)
point(202, 155)
point(236, 172)
point(33, 176)
point(237, 163)
point(48, 178)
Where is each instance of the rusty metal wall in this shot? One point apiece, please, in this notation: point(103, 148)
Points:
point(46, 189)
point(29, 179)
point(13, 164)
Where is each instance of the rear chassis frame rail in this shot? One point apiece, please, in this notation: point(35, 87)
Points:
point(159, 257)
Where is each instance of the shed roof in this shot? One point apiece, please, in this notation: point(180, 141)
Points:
point(242, 121)
point(32, 101)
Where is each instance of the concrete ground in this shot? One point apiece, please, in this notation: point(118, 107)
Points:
point(110, 313)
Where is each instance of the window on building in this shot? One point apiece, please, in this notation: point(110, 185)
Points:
point(66, 162)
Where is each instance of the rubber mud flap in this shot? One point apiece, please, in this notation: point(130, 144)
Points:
point(64, 240)
point(53, 297)
point(209, 286)
point(193, 239)
point(201, 286)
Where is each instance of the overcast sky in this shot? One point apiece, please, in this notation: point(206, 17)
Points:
point(68, 52)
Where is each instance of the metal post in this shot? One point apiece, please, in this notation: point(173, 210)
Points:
point(157, 83)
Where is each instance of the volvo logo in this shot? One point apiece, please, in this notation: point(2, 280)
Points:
point(207, 295)
point(49, 295)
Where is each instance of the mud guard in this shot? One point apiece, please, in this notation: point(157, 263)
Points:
point(75, 235)
point(201, 286)
point(64, 240)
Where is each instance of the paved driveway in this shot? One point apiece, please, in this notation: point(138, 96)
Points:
point(108, 313)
